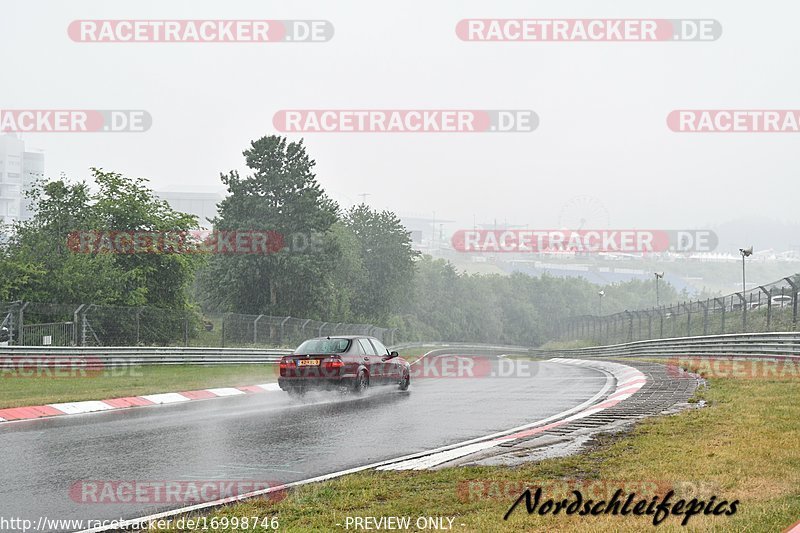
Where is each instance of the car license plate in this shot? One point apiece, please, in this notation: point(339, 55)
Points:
point(308, 362)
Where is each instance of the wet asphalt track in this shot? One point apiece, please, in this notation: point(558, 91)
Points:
point(266, 437)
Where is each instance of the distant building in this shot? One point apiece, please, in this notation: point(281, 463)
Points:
point(18, 170)
point(201, 204)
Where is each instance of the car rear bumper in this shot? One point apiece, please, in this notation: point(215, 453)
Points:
point(315, 383)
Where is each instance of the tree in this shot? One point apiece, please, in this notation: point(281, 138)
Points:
point(281, 195)
point(43, 268)
point(388, 260)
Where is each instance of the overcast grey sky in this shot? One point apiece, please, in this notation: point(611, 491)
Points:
point(602, 106)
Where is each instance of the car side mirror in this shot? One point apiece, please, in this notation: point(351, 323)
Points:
point(394, 354)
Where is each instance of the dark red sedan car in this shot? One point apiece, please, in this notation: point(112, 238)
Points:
point(349, 362)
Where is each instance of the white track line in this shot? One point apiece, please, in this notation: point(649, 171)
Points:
point(378, 465)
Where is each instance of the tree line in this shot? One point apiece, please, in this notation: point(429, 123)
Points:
point(345, 265)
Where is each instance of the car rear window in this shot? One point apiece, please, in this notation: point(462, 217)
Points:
point(323, 346)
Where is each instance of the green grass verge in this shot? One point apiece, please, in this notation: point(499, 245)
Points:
point(567, 345)
point(745, 445)
point(19, 391)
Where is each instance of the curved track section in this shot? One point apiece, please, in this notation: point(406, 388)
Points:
point(273, 439)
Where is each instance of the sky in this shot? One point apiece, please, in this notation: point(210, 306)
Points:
point(602, 141)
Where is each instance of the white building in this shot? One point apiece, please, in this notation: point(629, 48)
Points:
point(18, 170)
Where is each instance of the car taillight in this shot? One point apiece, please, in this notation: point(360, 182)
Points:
point(286, 363)
point(333, 363)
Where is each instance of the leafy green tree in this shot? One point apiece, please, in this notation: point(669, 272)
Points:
point(387, 257)
point(43, 268)
point(280, 195)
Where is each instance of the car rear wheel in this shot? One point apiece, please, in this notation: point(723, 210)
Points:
point(405, 381)
point(361, 383)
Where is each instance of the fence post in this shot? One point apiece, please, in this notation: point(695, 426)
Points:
point(282, 323)
point(303, 328)
point(721, 301)
point(794, 302)
point(255, 328)
point(21, 322)
point(629, 316)
point(222, 330)
point(705, 316)
point(186, 330)
point(84, 323)
point(688, 318)
point(744, 310)
point(75, 325)
point(769, 304)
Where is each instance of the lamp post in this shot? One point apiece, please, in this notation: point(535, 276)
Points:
point(600, 303)
point(658, 275)
point(746, 252)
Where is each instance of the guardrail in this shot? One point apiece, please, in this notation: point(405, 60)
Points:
point(465, 345)
point(775, 344)
point(140, 355)
point(148, 355)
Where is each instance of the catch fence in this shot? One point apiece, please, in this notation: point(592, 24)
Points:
point(47, 324)
point(770, 307)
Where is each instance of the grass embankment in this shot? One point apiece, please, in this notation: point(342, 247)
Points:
point(19, 389)
point(744, 445)
point(567, 345)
